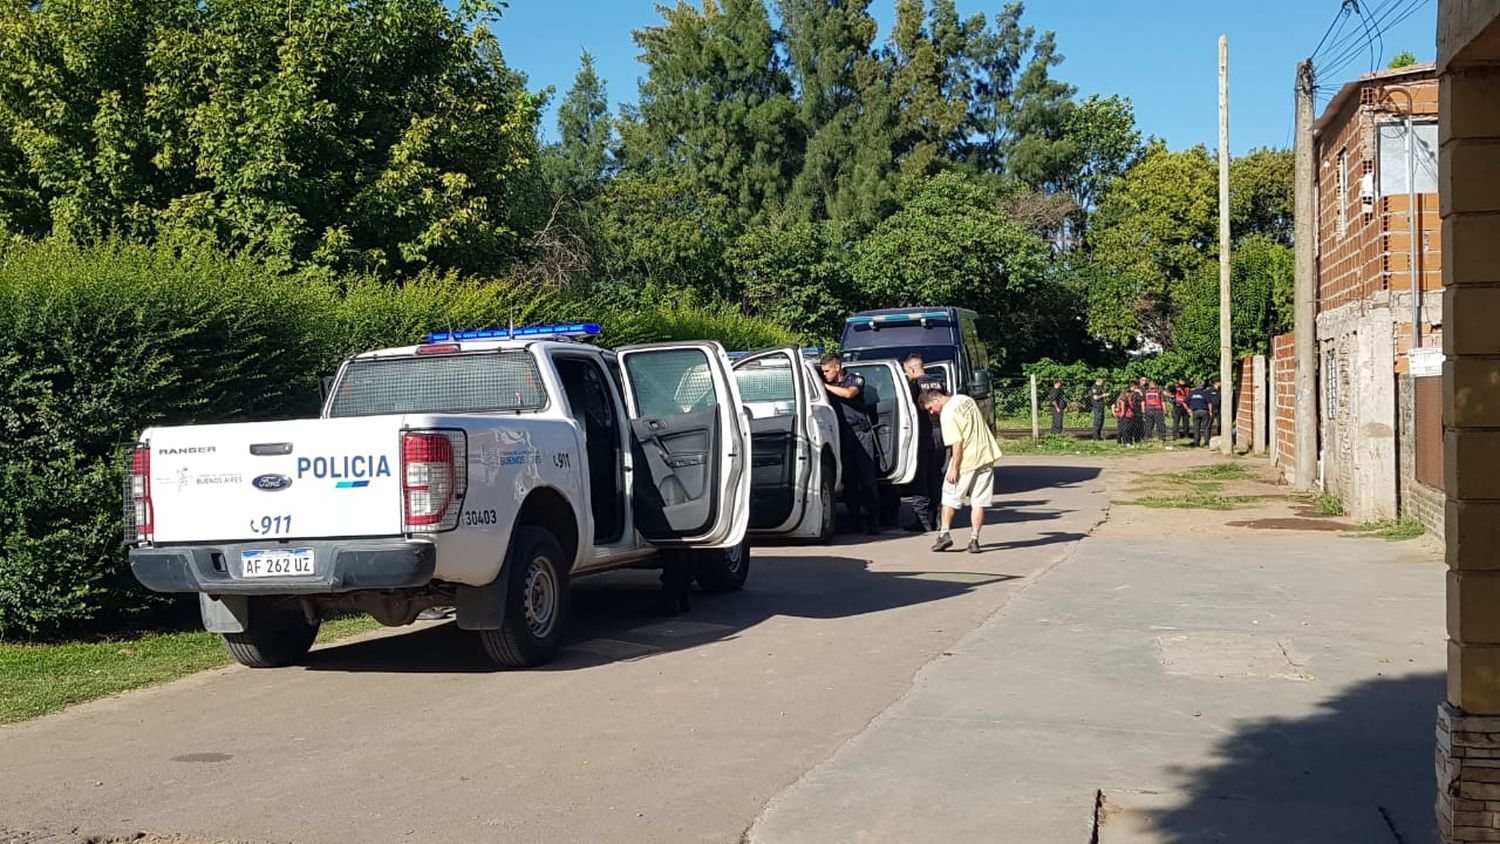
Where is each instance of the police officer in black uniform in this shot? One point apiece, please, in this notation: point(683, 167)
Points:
point(927, 488)
point(1198, 406)
point(856, 441)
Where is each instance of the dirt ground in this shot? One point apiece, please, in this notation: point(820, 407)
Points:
point(1276, 506)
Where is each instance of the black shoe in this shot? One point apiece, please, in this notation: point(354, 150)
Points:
point(943, 543)
point(973, 545)
point(914, 527)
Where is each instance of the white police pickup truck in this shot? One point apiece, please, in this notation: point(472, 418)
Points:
point(480, 470)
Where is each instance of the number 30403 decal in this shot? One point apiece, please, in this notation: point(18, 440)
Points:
point(271, 525)
point(481, 517)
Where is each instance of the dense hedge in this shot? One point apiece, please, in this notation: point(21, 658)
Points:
point(98, 343)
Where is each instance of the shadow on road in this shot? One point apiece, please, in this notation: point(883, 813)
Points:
point(1011, 480)
point(1359, 769)
point(613, 621)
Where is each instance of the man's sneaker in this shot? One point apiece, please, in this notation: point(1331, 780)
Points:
point(943, 543)
point(973, 545)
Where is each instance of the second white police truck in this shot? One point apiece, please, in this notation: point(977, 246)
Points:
point(481, 470)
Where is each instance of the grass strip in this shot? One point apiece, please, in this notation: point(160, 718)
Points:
point(1065, 445)
point(1193, 501)
point(36, 679)
point(1392, 530)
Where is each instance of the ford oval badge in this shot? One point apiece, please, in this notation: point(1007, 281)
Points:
point(271, 483)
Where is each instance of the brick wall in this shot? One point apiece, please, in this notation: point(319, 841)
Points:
point(1419, 431)
point(1283, 400)
point(1244, 405)
point(1364, 248)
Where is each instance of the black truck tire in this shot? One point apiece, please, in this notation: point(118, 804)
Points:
point(537, 602)
point(722, 569)
point(828, 508)
point(276, 635)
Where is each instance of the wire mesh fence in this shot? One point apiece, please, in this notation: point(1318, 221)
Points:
point(1013, 414)
point(1013, 408)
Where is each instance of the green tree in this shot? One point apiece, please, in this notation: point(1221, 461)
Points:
point(1261, 281)
point(1155, 225)
point(795, 276)
point(386, 134)
point(1261, 194)
point(715, 104)
point(578, 164)
point(659, 235)
point(1100, 142)
point(1405, 58)
point(843, 110)
point(952, 244)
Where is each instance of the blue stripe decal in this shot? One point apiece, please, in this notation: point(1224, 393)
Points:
point(350, 484)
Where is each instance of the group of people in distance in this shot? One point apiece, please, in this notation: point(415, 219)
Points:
point(1141, 409)
point(956, 455)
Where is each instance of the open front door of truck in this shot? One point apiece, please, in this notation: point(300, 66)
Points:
point(888, 399)
point(774, 390)
point(691, 444)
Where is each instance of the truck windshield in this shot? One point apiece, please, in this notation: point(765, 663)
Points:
point(490, 382)
point(930, 354)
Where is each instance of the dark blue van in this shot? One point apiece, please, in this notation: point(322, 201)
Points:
point(946, 338)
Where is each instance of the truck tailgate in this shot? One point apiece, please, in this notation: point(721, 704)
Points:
point(309, 478)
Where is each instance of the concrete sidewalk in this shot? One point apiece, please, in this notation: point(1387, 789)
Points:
point(1175, 680)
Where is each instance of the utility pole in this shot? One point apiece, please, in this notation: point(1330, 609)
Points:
point(1305, 292)
point(1226, 385)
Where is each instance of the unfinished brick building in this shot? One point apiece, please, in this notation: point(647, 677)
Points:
point(1380, 314)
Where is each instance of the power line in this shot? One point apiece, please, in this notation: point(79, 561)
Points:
point(1372, 17)
point(1356, 39)
point(1352, 39)
point(1393, 15)
point(1341, 15)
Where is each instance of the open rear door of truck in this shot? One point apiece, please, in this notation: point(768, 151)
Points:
point(888, 398)
point(691, 444)
point(774, 390)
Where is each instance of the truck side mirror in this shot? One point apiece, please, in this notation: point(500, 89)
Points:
point(979, 384)
point(326, 387)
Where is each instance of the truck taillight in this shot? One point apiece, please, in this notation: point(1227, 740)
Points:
point(138, 515)
point(434, 478)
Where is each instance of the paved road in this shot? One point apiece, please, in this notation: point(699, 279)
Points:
point(1211, 682)
point(645, 730)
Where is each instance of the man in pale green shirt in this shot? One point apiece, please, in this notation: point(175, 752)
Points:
point(971, 469)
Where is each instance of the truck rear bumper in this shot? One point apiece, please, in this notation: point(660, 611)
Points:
point(339, 565)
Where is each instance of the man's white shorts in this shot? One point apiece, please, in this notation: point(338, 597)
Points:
point(978, 486)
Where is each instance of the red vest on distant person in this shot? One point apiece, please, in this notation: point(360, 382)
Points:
point(1153, 399)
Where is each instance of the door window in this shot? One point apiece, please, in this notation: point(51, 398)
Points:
point(769, 384)
point(671, 382)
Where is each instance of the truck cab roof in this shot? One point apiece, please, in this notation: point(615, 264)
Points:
point(488, 344)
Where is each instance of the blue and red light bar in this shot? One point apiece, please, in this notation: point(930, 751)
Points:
point(564, 329)
point(907, 318)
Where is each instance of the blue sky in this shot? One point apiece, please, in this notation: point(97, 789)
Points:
point(1163, 54)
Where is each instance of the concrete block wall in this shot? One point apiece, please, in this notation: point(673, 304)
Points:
point(1357, 403)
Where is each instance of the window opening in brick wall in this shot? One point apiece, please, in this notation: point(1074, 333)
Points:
point(1391, 152)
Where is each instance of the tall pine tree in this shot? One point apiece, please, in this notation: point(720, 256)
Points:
point(581, 160)
point(716, 104)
